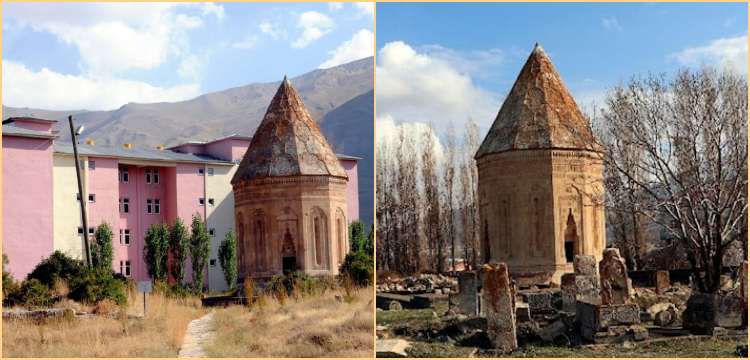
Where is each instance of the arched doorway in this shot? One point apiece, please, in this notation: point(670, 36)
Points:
point(288, 253)
point(571, 237)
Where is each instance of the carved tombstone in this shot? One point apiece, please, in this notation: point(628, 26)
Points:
point(499, 307)
point(582, 285)
point(661, 281)
point(584, 265)
point(615, 285)
point(467, 293)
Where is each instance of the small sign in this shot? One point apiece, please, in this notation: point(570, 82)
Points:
point(144, 286)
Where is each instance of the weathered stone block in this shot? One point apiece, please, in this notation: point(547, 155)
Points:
point(575, 288)
point(661, 281)
point(467, 293)
point(584, 265)
point(599, 317)
point(523, 313)
point(391, 348)
point(499, 303)
point(539, 302)
point(704, 312)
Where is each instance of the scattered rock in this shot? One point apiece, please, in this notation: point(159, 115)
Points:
point(391, 348)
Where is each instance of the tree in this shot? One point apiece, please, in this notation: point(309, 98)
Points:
point(357, 237)
point(682, 143)
point(155, 251)
point(469, 180)
point(435, 239)
point(200, 247)
point(178, 247)
point(449, 172)
point(101, 250)
point(370, 244)
point(228, 258)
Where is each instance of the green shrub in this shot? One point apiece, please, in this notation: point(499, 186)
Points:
point(58, 265)
point(200, 249)
point(98, 284)
point(33, 293)
point(228, 259)
point(155, 248)
point(358, 266)
point(174, 291)
point(101, 248)
point(10, 286)
point(178, 247)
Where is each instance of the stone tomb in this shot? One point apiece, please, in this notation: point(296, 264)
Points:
point(661, 281)
point(499, 307)
point(468, 302)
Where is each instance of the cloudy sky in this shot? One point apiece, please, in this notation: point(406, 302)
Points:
point(100, 56)
point(445, 62)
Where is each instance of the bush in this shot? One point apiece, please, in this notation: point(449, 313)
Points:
point(228, 259)
point(101, 248)
point(57, 266)
point(9, 284)
point(33, 293)
point(178, 247)
point(358, 266)
point(155, 248)
point(174, 291)
point(95, 285)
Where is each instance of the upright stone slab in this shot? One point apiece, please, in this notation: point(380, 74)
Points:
point(615, 285)
point(574, 288)
point(499, 307)
point(467, 293)
point(661, 281)
point(584, 265)
point(595, 318)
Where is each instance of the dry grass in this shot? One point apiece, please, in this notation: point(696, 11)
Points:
point(316, 326)
point(159, 334)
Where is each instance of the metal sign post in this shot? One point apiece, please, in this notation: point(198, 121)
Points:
point(144, 287)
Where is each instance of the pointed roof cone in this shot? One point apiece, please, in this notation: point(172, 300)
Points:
point(288, 142)
point(539, 113)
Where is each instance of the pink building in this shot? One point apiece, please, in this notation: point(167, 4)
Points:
point(128, 187)
point(27, 193)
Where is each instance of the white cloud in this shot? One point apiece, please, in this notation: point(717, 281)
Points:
point(416, 87)
point(365, 8)
point(191, 67)
point(273, 30)
point(210, 8)
point(335, 6)
point(728, 53)
point(611, 24)
point(314, 26)
point(248, 43)
point(361, 45)
point(23, 87)
point(387, 130)
point(114, 37)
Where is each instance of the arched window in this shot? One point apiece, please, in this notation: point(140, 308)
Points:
point(260, 241)
point(320, 237)
point(240, 243)
point(571, 237)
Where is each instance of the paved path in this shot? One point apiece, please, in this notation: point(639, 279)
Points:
point(199, 332)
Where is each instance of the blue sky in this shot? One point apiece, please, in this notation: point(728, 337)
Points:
point(100, 56)
point(475, 51)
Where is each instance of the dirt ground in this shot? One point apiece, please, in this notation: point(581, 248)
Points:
point(423, 320)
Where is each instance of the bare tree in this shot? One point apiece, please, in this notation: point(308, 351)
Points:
point(682, 143)
point(430, 183)
point(449, 174)
point(469, 170)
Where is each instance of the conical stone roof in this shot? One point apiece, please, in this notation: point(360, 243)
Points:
point(288, 142)
point(539, 113)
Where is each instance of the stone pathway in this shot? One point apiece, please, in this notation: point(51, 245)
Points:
point(199, 332)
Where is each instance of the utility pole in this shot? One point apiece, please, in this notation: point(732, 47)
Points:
point(74, 137)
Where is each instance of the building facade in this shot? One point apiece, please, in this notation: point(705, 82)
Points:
point(127, 187)
point(540, 179)
point(291, 195)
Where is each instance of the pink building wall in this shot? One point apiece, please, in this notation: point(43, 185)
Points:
point(228, 149)
point(352, 189)
point(27, 202)
point(102, 181)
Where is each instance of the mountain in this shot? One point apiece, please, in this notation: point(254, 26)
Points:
point(339, 98)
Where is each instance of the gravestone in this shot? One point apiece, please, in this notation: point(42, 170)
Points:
point(582, 285)
point(615, 285)
point(584, 265)
point(594, 319)
point(661, 281)
point(467, 293)
point(498, 305)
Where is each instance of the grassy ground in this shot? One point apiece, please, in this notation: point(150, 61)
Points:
point(158, 334)
point(317, 326)
point(426, 318)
